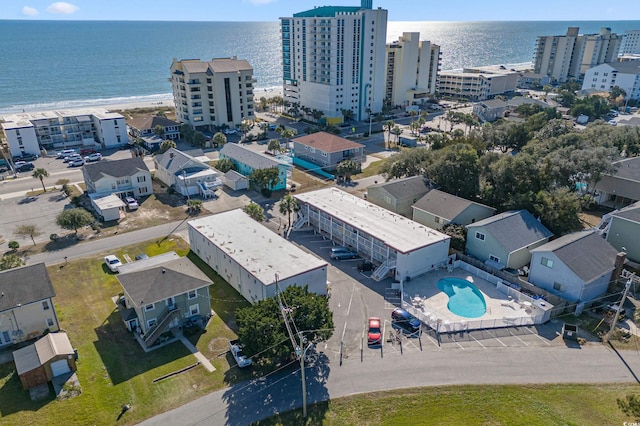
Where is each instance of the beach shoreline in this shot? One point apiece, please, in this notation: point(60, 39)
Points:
point(156, 102)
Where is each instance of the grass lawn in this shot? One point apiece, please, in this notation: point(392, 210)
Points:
point(112, 368)
point(472, 405)
point(373, 169)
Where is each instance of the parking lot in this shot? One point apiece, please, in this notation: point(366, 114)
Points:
point(355, 297)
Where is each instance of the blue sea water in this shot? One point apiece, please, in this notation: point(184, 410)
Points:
point(60, 64)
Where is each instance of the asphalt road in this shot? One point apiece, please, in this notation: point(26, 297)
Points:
point(248, 402)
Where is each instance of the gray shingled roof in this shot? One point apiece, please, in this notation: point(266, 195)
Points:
point(586, 253)
point(253, 159)
point(444, 205)
point(116, 168)
point(631, 212)
point(24, 285)
point(626, 67)
point(175, 160)
point(629, 168)
point(514, 230)
point(158, 283)
point(151, 121)
point(406, 187)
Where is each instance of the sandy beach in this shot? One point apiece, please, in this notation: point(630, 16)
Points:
point(257, 94)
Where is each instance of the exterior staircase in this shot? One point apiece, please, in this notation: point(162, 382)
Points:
point(300, 222)
point(381, 271)
point(161, 326)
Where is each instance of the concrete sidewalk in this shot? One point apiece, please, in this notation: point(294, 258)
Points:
point(203, 360)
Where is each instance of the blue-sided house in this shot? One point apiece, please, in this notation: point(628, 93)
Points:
point(246, 161)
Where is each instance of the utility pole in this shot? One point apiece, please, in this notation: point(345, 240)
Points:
point(627, 286)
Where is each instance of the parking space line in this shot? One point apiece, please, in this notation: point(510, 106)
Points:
point(523, 342)
point(536, 334)
point(344, 330)
point(454, 341)
point(496, 337)
point(477, 341)
point(432, 340)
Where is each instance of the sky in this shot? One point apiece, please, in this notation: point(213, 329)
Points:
point(271, 10)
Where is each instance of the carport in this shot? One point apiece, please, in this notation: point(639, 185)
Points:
point(107, 207)
point(49, 357)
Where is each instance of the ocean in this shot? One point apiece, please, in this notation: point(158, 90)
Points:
point(66, 64)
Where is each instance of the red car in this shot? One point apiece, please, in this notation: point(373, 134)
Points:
point(374, 336)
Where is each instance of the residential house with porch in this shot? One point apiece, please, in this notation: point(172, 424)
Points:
point(438, 208)
point(621, 229)
point(576, 267)
point(246, 161)
point(161, 293)
point(186, 174)
point(26, 304)
point(505, 240)
point(144, 126)
point(325, 151)
point(129, 177)
point(622, 187)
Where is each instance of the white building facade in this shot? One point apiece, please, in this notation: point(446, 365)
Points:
point(412, 67)
point(392, 242)
point(214, 93)
point(30, 133)
point(625, 75)
point(569, 56)
point(630, 43)
point(333, 59)
point(476, 84)
point(253, 259)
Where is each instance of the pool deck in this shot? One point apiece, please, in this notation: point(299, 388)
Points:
point(424, 295)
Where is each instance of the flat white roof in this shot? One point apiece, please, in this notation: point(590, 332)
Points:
point(148, 263)
point(254, 247)
point(28, 117)
point(107, 202)
point(396, 231)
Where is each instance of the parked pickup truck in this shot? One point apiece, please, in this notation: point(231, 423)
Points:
point(236, 351)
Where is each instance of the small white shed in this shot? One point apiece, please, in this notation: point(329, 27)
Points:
point(108, 207)
point(235, 180)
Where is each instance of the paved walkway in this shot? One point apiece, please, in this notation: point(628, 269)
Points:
point(203, 360)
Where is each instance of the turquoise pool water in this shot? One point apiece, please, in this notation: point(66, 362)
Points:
point(465, 299)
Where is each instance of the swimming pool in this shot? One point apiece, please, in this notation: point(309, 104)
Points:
point(465, 299)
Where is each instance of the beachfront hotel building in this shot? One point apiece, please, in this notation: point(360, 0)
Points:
point(32, 132)
point(478, 84)
point(333, 59)
point(630, 43)
point(412, 67)
point(569, 56)
point(210, 94)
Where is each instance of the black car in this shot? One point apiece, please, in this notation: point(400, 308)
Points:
point(24, 167)
point(405, 320)
point(365, 266)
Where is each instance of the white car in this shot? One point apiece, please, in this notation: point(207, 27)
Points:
point(65, 153)
point(230, 131)
point(96, 156)
point(72, 157)
point(131, 203)
point(236, 351)
point(76, 162)
point(112, 262)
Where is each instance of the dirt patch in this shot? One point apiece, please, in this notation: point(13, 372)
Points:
point(217, 345)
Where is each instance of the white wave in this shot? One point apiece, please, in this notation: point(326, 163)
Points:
point(81, 103)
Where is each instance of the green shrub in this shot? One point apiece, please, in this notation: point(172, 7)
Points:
point(54, 237)
point(14, 245)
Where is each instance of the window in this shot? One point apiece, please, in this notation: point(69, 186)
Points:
point(192, 294)
point(494, 258)
point(437, 219)
point(149, 307)
point(45, 305)
point(142, 178)
point(480, 236)
point(194, 309)
point(151, 323)
point(170, 302)
point(558, 287)
point(547, 262)
point(50, 322)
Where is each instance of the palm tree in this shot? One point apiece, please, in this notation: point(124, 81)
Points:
point(288, 205)
point(41, 174)
point(387, 126)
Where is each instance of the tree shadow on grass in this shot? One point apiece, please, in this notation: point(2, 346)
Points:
point(122, 355)
point(13, 398)
point(277, 398)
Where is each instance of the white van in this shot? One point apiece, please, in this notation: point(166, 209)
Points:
point(65, 153)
